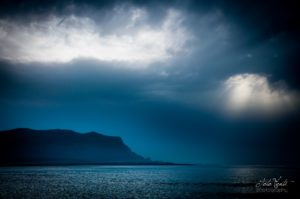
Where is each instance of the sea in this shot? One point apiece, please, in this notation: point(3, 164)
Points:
point(179, 181)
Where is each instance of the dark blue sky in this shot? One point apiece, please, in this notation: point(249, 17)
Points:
point(181, 81)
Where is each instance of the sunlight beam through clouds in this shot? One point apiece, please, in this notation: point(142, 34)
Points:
point(61, 40)
point(254, 93)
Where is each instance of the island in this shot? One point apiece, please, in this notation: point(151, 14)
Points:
point(24, 146)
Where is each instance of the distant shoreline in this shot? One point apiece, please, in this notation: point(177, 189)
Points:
point(149, 164)
point(98, 164)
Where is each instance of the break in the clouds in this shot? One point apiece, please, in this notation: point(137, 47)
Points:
point(171, 109)
point(63, 39)
point(254, 93)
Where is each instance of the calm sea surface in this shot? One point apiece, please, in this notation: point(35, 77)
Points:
point(144, 182)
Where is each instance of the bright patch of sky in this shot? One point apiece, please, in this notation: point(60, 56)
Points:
point(61, 40)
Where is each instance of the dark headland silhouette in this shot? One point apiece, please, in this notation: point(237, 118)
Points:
point(24, 146)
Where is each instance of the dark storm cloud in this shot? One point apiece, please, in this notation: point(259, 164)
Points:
point(161, 108)
point(266, 18)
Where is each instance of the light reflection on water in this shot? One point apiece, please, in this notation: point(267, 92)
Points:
point(138, 182)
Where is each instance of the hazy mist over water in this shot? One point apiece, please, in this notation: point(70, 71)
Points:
point(143, 182)
point(177, 83)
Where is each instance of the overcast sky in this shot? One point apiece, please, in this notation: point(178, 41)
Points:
point(182, 81)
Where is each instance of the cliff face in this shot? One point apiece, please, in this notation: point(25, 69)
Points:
point(46, 147)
